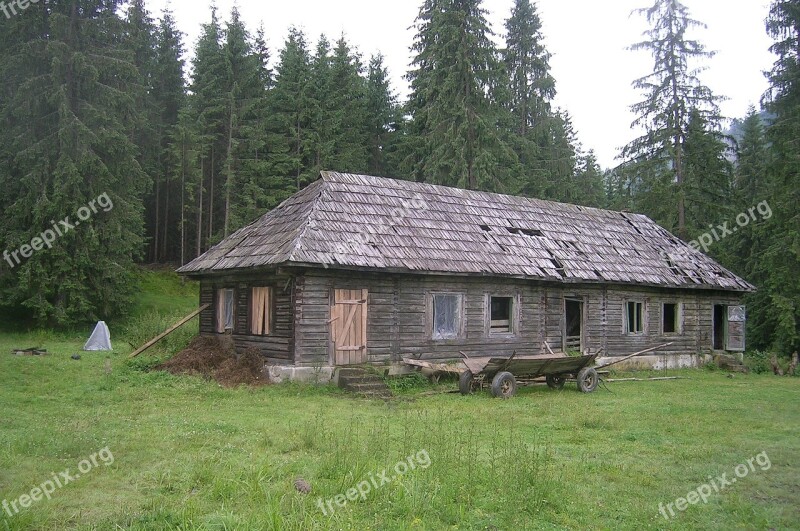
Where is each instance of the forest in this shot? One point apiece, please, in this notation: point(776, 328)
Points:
point(121, 144)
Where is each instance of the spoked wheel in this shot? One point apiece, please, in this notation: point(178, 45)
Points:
point(466, 383)
point(587, 380)
point(504, 385)
point(555, 381)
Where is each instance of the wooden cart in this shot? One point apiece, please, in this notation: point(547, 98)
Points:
point(501, 375)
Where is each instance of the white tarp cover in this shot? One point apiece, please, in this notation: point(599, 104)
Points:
point(100, 338)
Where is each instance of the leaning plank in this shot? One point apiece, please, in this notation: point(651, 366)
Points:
point(644, 379)
point(632, 355)
point(168, 331)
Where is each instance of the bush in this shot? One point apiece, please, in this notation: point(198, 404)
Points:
point(758, 361)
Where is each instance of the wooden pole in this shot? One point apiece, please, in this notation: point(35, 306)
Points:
point(168, 331)
point(632, 355)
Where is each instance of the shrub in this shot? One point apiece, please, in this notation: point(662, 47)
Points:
point(758, 361)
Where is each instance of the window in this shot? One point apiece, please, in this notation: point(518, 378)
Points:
point(670, 318)
point(634, 317)
point(261, 311)
point(224, 310)
point(501, 315)
point(446, 315)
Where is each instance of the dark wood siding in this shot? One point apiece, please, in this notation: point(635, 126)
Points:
point(399, 320)
point(277, 347)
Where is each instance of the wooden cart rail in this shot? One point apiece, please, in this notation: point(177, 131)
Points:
point(528, 366)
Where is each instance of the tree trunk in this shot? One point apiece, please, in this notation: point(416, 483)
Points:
point(200, 208)
point(229, 176)
point(211, 199)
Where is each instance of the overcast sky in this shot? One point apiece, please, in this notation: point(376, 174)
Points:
point(587, 38)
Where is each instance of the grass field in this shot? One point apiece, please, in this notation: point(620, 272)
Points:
point(188, 454)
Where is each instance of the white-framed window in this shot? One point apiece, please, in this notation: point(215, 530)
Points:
point(501, 315)
point(634, 318)
point(225, 304)
point(260, 311)
point(447, 315)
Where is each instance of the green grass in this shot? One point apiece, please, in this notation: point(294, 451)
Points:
point(189, 454)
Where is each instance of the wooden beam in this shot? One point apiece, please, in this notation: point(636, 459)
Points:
point(168, 331)
point(634, 354)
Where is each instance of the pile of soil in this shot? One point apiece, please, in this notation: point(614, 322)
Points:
point(216, 358)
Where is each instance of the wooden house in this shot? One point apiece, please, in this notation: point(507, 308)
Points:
point(357, 269)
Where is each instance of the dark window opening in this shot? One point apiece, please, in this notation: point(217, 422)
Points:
point(512, 230)
point(501, 315)
point(670, 318)
point(573, 316)
point(720, 319)
point(487, 228)
point(634, 318)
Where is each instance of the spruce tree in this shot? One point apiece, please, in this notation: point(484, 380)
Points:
point(290, 105)
point(783, 229)
point(671, 92)
point(383, 120)
point(208, 104)
point(455, 67)
point(169, 94)
point(348, 101)
point(66, 137)
point(748, 247)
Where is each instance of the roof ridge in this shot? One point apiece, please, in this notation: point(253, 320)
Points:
point(331, 176)
point(312, 220)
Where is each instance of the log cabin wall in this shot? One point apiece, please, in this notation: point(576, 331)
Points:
point(399, 316)
point(278, 346)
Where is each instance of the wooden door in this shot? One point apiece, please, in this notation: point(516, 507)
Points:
point(349, 326)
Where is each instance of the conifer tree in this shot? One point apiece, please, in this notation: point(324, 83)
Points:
point(290, 105)
point(383, 120)
point(66, 137)
point(455, 67)
point(671, 92)
point(783, 229)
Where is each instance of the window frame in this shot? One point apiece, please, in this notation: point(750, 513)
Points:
point(642, 317)
point(513, 314)
point(460, 316)
point(269, 325)
point(220, 309)
point(678, 318)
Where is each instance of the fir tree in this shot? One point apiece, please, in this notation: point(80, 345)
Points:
point(671, 92)
point(67, 129)
point(383, 120)
point(783, 230)
point(455, 67)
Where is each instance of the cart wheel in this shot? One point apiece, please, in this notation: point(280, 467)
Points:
point(587, 380)
point(504, 385)
point(465, 383)
point(555, 381)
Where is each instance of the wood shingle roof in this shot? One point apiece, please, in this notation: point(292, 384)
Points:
point(362, 222)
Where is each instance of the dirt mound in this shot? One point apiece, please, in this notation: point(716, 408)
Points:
point(216, 358)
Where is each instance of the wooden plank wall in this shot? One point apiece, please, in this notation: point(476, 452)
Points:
point(399, 320)
point(278, 347)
